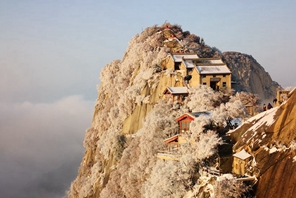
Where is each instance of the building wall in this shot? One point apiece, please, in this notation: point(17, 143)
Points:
point(207, 80)
point(169, 63)
point(198, 79)
point(182, 140)
point(282, 96)
point(182, 66)
point(195, 80)
point(229, 81)
point(239, 166)
point(184, 124)
point(176, 97)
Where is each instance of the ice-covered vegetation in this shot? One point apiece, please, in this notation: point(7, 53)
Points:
point(125, 165)
point(227, 186)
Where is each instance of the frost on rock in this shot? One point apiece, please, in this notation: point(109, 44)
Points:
point(272, 150)
point(266, 118)
point(294, 159)
point(293, 145)
point(227, 186)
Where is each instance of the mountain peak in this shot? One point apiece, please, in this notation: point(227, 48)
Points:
point(138, 104)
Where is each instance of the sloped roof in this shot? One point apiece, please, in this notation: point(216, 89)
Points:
point(189, 63)
point(176, 90)
point(242, 154)
point(210, 60)
point(171, 139)
point(178, 57)
point(213, 69)
point(193, 115)
point(215, 61)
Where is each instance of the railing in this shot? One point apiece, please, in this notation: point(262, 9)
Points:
point(166, 155)
point(211, 171)
point(169, 153)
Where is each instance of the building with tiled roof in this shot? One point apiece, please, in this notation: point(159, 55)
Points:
point(195, 71)
point(212, 72)
point(176, 93)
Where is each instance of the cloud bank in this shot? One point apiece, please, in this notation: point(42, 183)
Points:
point(41, 146)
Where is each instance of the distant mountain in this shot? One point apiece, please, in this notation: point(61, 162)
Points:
point(132, 119)
point(250, 76)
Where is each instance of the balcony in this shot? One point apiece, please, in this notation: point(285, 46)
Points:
point(166, 155)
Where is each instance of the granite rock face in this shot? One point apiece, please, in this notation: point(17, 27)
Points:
point(250, 76)
point(270, 138)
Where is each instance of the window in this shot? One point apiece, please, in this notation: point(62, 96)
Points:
point(204, 83)
point(224, 84)
point(189, 71)
point(214, 75)
point(184, 125)
point(177, 66)
point(224, 75)
point(204, 76)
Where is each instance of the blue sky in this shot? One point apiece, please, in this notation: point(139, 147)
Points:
point(51, 54)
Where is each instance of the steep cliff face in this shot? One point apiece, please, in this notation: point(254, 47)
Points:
point(270, 138)
point(131, 121)
point(250, 76)
point(123, 81)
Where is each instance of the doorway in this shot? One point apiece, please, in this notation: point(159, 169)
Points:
point(215, 84)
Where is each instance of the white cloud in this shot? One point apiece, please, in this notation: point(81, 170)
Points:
point(39, 138)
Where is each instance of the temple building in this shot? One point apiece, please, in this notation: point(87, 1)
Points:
point(195, 71)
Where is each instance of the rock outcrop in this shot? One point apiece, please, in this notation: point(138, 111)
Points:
point(270, 137)
point(250, 76)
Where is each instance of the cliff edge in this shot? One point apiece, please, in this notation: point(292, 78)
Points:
point(270, 137)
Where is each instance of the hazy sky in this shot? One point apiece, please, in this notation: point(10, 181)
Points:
point(51, 54)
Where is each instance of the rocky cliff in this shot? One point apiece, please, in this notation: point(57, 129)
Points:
point(270, 138)
point(250, 76)
point(131, 120)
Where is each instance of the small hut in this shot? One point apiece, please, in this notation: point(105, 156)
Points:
point(176, 93)
point(172, 152)
point(240, 161)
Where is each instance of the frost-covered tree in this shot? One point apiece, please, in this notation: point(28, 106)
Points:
point(225, 113)
point(201, 143)
point(167, 180)
point(203, 98)
point(227, 186)
point(248, 99)
point(139, 158)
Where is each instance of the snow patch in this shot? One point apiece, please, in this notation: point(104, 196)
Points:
point(265, 148)
point(293, 145)
point(225, 176)
point(266, 118)
point(272, 150)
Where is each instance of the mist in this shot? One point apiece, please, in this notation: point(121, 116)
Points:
point(41, 146)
